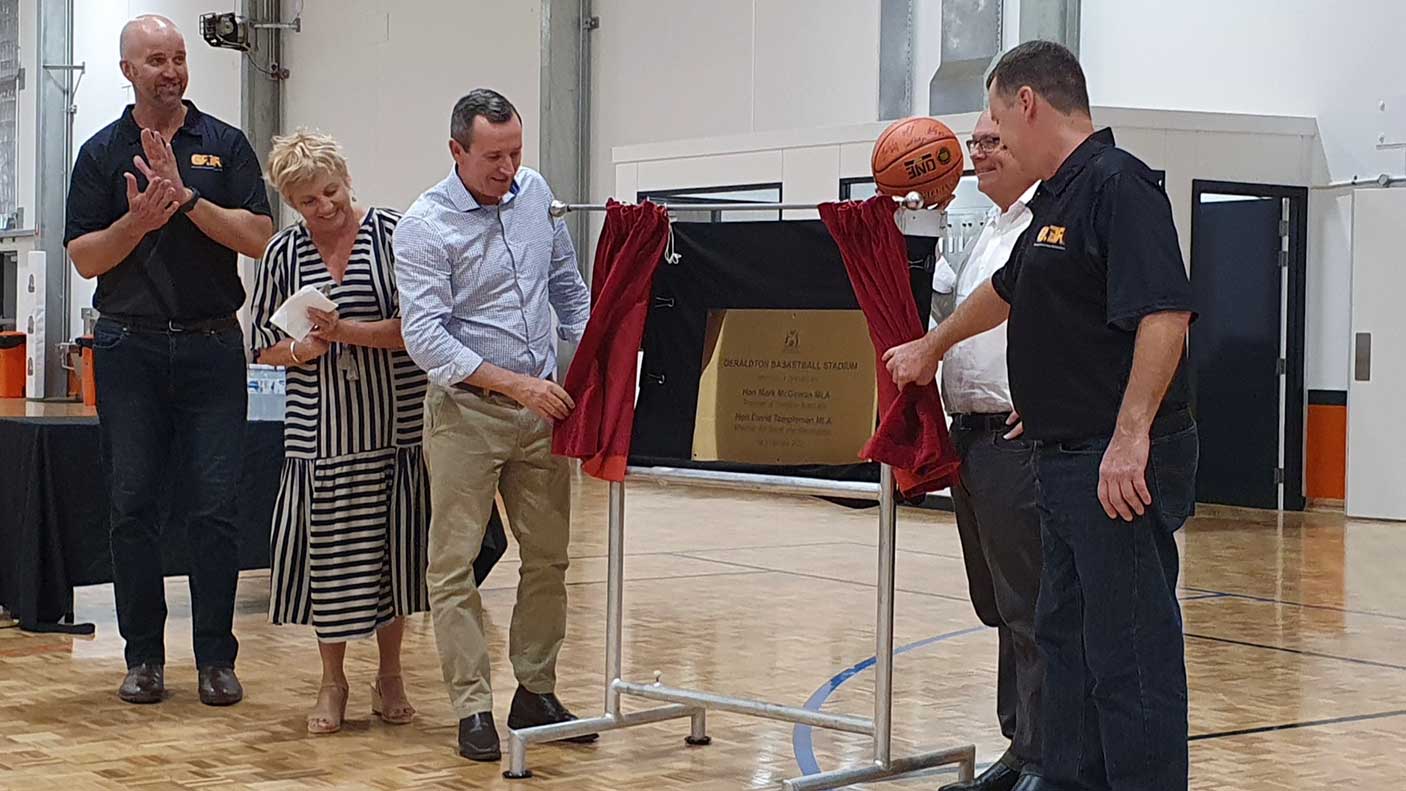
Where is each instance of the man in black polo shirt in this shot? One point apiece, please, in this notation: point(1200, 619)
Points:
point(1099, 302)
point(161, 201)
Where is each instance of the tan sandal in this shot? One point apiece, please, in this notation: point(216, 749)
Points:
point(331, 709)
point(401, 714)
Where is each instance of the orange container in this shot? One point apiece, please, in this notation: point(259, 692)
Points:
point(12, 348)
point(86, 382)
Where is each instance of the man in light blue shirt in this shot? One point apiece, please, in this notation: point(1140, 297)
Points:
point(482, 266)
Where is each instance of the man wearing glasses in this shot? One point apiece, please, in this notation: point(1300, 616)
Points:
point(997, 518)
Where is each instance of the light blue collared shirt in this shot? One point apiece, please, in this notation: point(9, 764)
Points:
point(479, 283)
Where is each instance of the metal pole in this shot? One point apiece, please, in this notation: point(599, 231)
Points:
point(883, 625)
point(912, 202)
point(615, 596)
point(748, 482)
point(964, 757)
point(751, 708)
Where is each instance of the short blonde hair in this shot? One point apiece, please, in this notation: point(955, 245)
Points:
point(303, 156)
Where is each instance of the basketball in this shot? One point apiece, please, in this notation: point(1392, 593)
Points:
point(917, 154)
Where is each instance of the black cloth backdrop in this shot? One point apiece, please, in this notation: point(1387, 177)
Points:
point(761, 265)
point(54, 512)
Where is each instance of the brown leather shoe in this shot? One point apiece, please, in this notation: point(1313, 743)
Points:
point(220, 687)
point(478, 738)
point(145, 683)
point(530, 709)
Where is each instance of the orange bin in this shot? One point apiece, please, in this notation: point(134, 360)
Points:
point(87, 384)
point(12, 348)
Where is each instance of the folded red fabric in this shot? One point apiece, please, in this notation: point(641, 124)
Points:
point(602, 376)
point(912, 434)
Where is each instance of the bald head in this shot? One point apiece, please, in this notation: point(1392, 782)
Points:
point(140, 32)
point(154, 61)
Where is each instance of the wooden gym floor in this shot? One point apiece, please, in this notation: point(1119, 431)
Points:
point(1296, 644)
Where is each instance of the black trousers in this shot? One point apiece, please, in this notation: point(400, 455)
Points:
point(1109, 624)
point(999, 524)
point(172, 411)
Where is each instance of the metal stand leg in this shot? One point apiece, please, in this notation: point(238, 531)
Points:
point(698, 733)
point(614, 595)
point(680, 703)
point(612, 719)
point(883, 623)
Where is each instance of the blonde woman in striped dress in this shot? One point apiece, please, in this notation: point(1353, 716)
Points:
point(349, 529)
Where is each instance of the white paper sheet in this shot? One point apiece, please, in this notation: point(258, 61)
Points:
point(292, 316)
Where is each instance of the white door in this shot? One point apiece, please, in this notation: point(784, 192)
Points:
point(1376, 434)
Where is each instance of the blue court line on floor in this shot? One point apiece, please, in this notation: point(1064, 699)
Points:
point(802, 743)
point(1200, 596)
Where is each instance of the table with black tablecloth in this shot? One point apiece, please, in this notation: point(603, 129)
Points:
point(54, 512)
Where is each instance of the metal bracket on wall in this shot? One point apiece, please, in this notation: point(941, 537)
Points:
point(81, 68)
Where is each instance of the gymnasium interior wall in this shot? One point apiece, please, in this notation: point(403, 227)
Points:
point(382, 77)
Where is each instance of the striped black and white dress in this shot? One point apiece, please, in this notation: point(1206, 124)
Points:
point(351, 520)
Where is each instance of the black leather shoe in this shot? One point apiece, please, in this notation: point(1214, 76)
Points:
point(220, 687)
point(1030, 781)
point(478, 738)
point(145, 683)
point(530, 709)
point(997, 777)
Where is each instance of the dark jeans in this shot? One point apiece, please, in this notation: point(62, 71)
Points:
point(998, 521)
point(172, 409)
point(1108, 620)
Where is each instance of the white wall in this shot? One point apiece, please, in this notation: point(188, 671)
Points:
point(104, 93)
point(382, 78)
point(1331, 61)
point(674, 70)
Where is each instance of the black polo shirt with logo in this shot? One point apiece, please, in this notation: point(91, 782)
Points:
point(1100, 254)
point(175, 272)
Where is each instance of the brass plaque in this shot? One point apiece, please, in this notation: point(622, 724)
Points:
point(785, 387)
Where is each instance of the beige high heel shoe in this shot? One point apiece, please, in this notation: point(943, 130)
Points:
point(331, 709)
point(401, 714)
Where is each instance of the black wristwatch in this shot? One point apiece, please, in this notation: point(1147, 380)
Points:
point(190, 204)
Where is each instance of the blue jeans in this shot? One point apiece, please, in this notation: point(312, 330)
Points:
point(172, 411)
point(1108, 621)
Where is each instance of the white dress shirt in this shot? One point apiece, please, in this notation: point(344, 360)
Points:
point(974, 379)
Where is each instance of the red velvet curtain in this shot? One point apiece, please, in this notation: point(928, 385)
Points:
point(601, 379)
point(912, 434)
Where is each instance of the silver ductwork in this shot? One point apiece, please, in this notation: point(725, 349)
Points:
point(971, 40)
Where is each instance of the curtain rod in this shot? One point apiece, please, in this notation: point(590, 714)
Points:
point(912, 201)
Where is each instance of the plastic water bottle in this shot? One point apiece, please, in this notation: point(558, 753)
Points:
point(267, 392)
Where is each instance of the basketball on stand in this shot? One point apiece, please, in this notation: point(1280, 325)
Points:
point(918, 154)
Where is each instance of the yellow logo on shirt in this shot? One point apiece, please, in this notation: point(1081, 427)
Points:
point(206, 162)
point(1051, 236)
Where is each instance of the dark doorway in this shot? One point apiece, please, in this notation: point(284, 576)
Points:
point(1245, 351)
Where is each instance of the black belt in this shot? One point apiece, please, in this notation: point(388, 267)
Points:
point(483, 392)
point(175, 326)
point(976, 422)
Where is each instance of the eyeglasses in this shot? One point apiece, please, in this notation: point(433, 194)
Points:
point(984, 145)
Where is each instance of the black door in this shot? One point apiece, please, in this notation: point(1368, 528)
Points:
point(1234, 347)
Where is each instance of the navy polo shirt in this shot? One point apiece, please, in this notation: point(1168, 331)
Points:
point(1100, 254)
point(175, 272)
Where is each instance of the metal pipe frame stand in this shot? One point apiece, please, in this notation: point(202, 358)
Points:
point(694, 704)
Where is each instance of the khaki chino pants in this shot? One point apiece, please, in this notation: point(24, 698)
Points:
point(476, 445)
